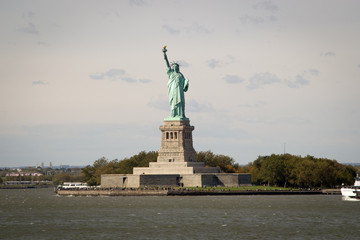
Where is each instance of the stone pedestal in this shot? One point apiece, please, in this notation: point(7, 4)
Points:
point(176, 142)
point(176, 164)
point(177, 154)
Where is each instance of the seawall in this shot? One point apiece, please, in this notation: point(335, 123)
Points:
point(112, 192)
point(161, 192)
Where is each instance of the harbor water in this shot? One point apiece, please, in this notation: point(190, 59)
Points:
point(41, 214)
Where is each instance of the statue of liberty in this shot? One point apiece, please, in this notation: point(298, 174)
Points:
point(177, 85)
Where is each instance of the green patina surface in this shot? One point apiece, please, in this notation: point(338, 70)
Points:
point(177, 85)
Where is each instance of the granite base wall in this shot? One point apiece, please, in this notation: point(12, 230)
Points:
point(233, 179)
point(175, 180)
point(120, 180)
point(160, 180)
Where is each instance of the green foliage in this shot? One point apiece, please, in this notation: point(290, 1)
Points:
point(1, 180)
point(92, 174)
point(62, 177)
point(296, 171)
point(225, 163)
point(283, 170)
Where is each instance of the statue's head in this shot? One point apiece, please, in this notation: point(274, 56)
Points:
point(175, 66)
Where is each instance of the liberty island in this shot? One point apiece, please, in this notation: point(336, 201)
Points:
point(176, 163)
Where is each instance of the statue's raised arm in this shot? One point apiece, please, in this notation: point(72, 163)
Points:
point(165, 56)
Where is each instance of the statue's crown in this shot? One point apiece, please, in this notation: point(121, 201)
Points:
point(175, 63)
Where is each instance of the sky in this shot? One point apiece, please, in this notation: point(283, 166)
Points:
point(81, 80)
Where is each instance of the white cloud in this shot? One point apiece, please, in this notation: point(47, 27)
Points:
point(256, 105)
point(161, 103)
point(196, 29)
point(144, 80)
point(183, 64)
point(273, 19)
point(328, 54)
point(28, 14)
point(115, 74)
point(194, 106)
point(233, 79)
point(39, 82)
point(137, 2)
point(261, 79)
point(189, 30)
point(41, 43)
point(251, 19)
point(29, 29)
point(128, 79)
point(215, 63)
point(266, 5)
point(299, 81)
point(314, 72)
point(170, 30)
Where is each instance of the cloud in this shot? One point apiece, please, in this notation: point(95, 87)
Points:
point(170, 30)
point(314, 72)
point(266, 5)
point(128, 79)
point(328, 54)
point(144, 80)
point(299, 81)
point(358, 65)
point(256, 105)
point(273, 18)
point(194, 106)
point(137, 2)
point(40, 82)
point(233, 79)
point(251, 19)
point(265, 78)
point(183, 64)
point(161, 103)
point(261, 79)
point(115, 74)
point(192, 29)
point(28, 14)
point(44, 44)
point(97, 76)
point(196, 28)
point(29, 29)
point(214, 63)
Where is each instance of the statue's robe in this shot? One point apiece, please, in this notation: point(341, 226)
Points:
point(177, 85)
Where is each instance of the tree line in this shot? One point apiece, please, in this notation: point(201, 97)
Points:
point(295, 171)
point(284, 170)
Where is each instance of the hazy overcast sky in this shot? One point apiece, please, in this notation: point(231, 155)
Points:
point(80, 80)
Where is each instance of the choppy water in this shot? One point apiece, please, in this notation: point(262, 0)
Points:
point(40, 214)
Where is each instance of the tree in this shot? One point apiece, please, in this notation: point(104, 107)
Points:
point(296, 171)
point(92, 174)
point(225, 163)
